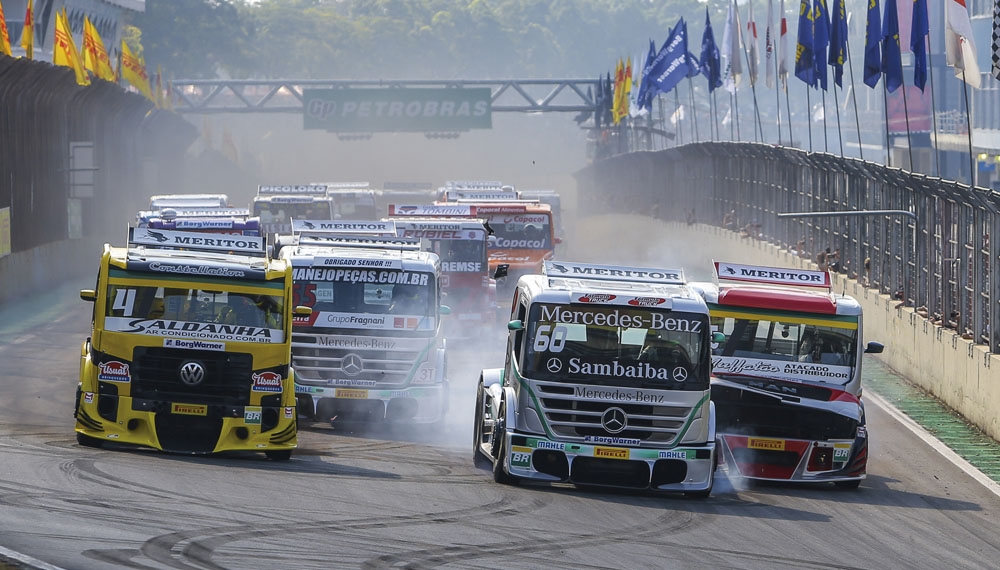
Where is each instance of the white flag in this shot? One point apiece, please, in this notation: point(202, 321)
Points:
point(769, 46)
point(678, 115)
point(634, 110)
point(754, 68)
point(959, 46)
point(782, 46)
point(732, 50)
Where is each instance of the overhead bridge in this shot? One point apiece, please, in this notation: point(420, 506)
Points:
point(213, 96)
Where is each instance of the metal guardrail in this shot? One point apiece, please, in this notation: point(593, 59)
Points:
point(285, 95)
point(941, 263)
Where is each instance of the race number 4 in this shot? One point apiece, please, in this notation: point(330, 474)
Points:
point(546, 342)
point(124, 301)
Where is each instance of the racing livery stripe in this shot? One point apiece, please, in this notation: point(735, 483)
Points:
point(835, 321)
point(276, 283)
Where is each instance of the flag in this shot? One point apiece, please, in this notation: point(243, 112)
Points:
point(619, 90)
point(892, 59)
point(753, 68)
point(959, 46)
point(709, 61)
point(609, 100)
point(996, 39)
point(694, 68)
point(634, 110)
point(95, 57)
point(783, 47)
point(644, 98)
point(678, 115)
point(919, 28)
point(627, 95)
point(873, 41)
point(28, 32)
point(732, 50)
point(805, 66)
point(135, 73)
point(769, 46)
point(673, 67)
point(821, 39)
point(838, 41)
point(4, 36)
point(64, 50)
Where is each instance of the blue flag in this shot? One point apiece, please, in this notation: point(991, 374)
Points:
point(673, 66)
point(919, 29)
point(821, 39)
point(838, 41)
point(873, 39)
point(709, 64)
point(692, 62)
point(608, 100)
point(644, 99)
point(805, 65)
point(892, 59)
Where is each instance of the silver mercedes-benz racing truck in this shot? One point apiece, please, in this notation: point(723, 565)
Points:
point(606, 382)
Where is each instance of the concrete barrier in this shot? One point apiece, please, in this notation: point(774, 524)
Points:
point(47, 265)
point(963, 375)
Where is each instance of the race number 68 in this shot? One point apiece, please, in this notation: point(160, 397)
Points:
point(551, 343)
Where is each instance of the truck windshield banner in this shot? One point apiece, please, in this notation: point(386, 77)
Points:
point(781, 370)
point(193, 330)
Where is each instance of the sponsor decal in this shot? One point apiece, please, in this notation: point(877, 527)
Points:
point(209, 213)
point(646, 301)
point(88, 397)
point(525, 219)
point(595, 298)
point(432, 210)
point(252, 415)
point(611, 452)
point(193, 344)
point(772, 275)
point(342, 226)
point(190, 224)
point(114, 371)
point(764, 443)
point(289, 412)
point(841, 452)
point(351, 394)
point(368, 321)
point(611, 440)
point(214, 331)
point(542, 444)
point(189, 409)
point(462, 266)
point(197, 270)
point(613, 273)
point(507, 243)
point(782, 370)
point(862, 432)
point(351, 383)
point(405, 322)
point(616, 318)
point(676, 454)
point(643, 370)
point(266, 382)
point(195, 240)
point(318, 189)
point(520, 456)
point(617, 395)
point(360, 275)
point(369, 343)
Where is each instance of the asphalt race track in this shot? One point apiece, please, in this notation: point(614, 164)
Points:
point(413, 499)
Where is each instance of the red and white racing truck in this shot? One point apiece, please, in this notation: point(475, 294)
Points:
point(787, 378)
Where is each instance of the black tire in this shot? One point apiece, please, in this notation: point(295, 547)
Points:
point(500, 451)
point(849, 485)
point(87, 441)
point(279, 454)
point(478, 458)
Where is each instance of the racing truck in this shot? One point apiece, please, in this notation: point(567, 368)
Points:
point(606, 382)
point(787, 375)
point(372, 349)
point(190, 347)
point(404, 193)
point(276, 206)
point(188, 201)
point(465, 281)
point(352, 200)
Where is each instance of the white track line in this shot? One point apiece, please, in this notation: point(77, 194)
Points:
point(934, 442)
point(26, 560)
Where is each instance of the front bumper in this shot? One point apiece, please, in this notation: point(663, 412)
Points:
point(685, 468)
point(416, 404)
point(185, 427)
point(794, 460)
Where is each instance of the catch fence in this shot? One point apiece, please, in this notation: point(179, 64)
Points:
point(940, 262)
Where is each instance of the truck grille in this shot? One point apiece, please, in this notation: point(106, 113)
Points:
point(315, 363)
point(155, 376)
point(571, 417)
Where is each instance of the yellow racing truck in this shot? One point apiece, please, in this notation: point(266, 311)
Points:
point(190, 349)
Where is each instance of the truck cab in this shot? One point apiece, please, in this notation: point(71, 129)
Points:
point(190, 347)
point(352, 200)
point(606, 382)
point(787, 375)
point(276, 206)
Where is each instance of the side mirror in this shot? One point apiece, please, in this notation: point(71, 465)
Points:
point(557, 240)
point(501, 271)
point(88, 295)
point(718, 337)
point(874, 348)
point(515, 326)
point(444, 310)
point(303, 311)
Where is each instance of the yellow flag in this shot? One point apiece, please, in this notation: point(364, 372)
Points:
point(95, 57)
point(135, 73)
point(4, 37)
point(28, 33)
point(64, 50)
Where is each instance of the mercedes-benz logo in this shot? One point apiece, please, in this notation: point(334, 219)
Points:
point(554, 365)
point(680, 374)
point(352, 365)
point(191, 373)
point(614, 420)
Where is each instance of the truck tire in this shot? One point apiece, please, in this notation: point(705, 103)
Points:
point(87, 441)
point(279, 454)
point(478, 458)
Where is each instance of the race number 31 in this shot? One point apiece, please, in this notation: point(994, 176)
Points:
point(546, 342)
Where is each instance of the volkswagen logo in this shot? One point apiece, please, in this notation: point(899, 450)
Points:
point(352, 365)
point(554, 365)
point(614, 420)
point(191, 373)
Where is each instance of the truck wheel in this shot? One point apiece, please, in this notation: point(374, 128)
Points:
point(478, 459)
point(279, 454)
point(87, 441)
point(848, 484)
point(499, 475)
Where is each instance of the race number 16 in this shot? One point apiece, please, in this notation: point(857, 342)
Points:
point(546, 342)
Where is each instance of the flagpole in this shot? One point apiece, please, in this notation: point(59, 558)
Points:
point(968, 126)
point(715, 114)
point(826, 126)
point(854, 97)
point(885, 107)
point(732, 119)
point(677, 113)
point(788, 111)
point(694, 112)
point(753, 90)
point(777, 99)
point(809, 117)
point(930, 67)
point(840, 131)
point(736, 97)
point(906, 113)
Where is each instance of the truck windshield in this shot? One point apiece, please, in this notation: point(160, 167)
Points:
point(639, 348)
point(793, 347)
point(200, 314)
point(366, 299)
point(276, 218)
point(521, 231)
